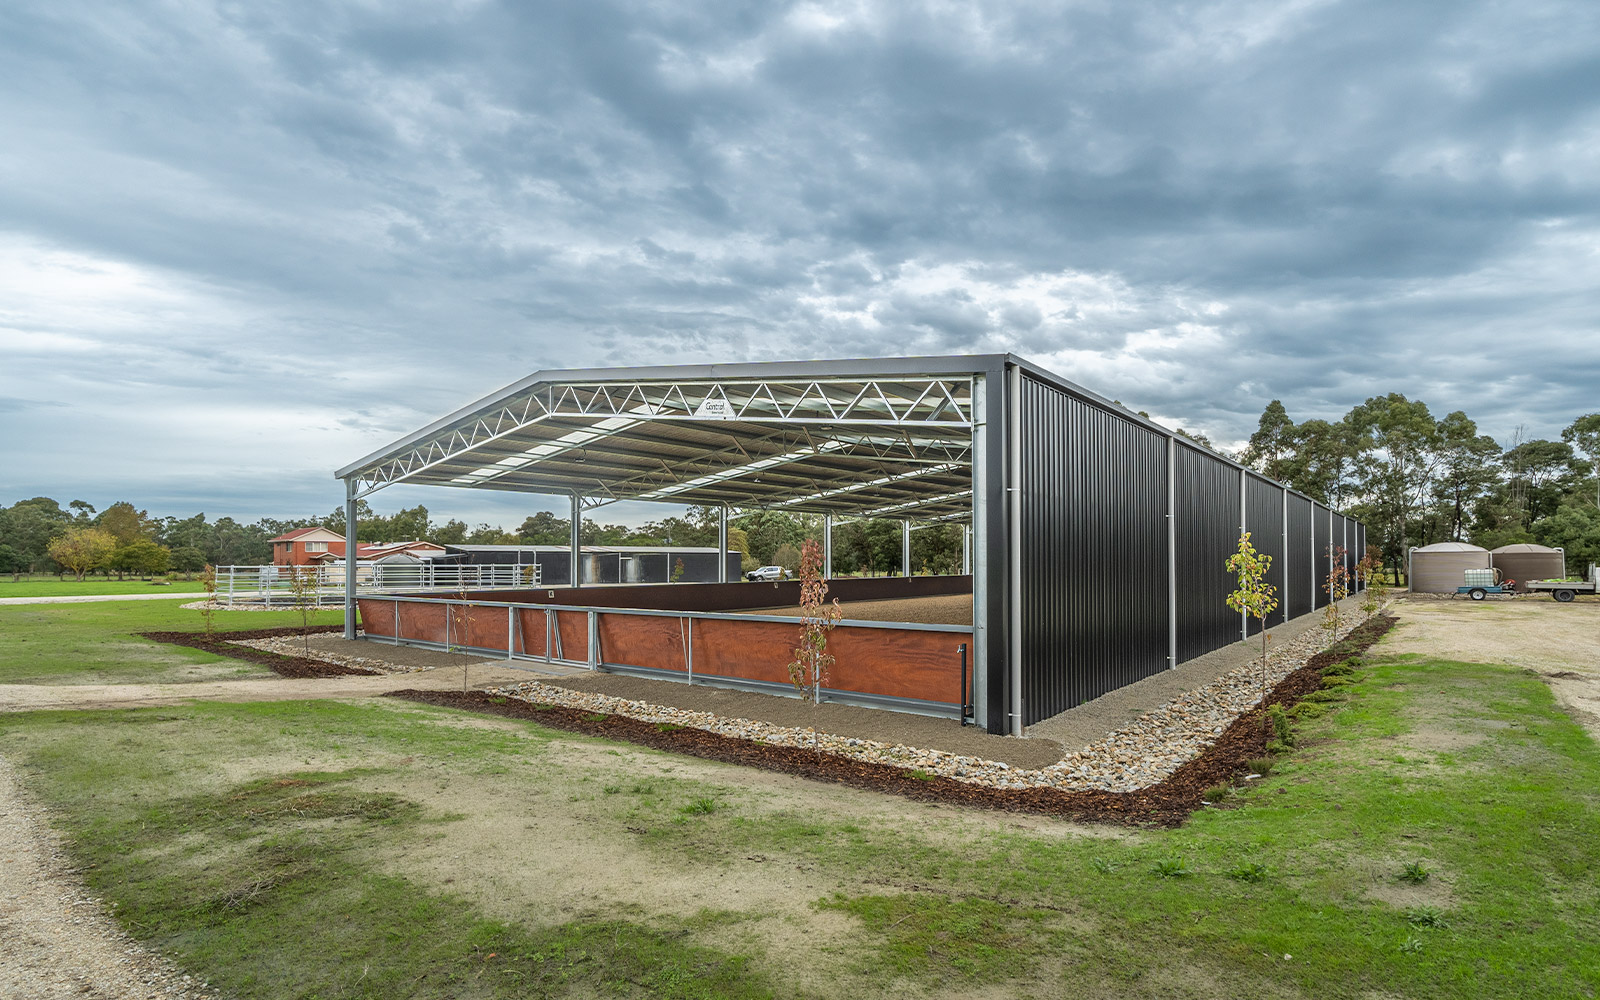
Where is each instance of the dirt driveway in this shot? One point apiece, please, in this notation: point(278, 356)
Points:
point(36, 697)
point(1559, 641)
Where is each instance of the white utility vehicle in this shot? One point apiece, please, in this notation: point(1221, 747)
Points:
point(767, 574)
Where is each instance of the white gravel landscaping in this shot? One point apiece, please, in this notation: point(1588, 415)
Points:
point(1135, 756)
point(288, 645)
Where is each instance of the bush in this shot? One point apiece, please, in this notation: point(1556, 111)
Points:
point(1282, 727)
point(1259, 765)
point(1216, 793)
point(1335, 681)
point(1278, 747)
point(1323, 697)
point(1306, 710)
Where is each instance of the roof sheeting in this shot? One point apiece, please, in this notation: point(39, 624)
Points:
point(862, 438)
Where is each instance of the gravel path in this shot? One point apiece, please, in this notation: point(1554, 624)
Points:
point(1133, 757)
point(92, 598)
point(56, 939)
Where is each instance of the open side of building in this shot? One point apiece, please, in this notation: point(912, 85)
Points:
point(1095, 538)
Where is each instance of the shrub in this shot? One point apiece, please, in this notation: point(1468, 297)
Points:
point(1259, 765)
point(1323, 697)
point(1278, 747)
point(1306, 710)
point(1282, 727)
point(1216, 793)
point(1335, 681)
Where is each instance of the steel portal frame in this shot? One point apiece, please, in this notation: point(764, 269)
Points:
point(934, 440)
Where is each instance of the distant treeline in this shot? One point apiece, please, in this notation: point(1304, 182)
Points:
point(41, 536)
point(1416, 480)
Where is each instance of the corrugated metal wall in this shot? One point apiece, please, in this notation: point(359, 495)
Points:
point(1298, 583)
point(1093, 567)
point(1092, 593)
point(1207, 500)
point(1264, 521)
point(1321, 527)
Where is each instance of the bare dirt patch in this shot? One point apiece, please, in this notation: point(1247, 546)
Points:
point(1559, 641)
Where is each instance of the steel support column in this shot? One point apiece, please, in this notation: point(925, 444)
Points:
point(577, 536)
point(1244, 506)
point(1014, 488)
point(905, 548)
point(1283, 598)
point(827, 546)
point(722, 544)
point(966, 550)
point(1172, 552)
point(350, 558)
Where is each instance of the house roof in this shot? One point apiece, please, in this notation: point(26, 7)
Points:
point(289, 536)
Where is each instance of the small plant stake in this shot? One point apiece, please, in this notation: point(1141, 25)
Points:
point(1254, 596)
point(811, 662)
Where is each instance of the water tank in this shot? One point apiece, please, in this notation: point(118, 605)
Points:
point(1439, 568)
point(1523, 562)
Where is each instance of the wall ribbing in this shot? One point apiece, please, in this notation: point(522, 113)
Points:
point(1094, 550)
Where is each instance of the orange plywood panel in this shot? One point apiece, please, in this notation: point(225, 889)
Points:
point(422, 621)
point(574, 627)
point(758, 651)
point(530, 638)
point(643, 641)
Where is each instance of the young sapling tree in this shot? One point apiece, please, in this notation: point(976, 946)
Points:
point(812, 661)
point(1338, 588)
point(208, 607)
point(303, 598)
point(1254, 596)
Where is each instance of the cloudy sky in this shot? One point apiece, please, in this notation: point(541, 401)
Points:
point(242, 244)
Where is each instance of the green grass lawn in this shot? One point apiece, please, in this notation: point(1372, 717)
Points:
point(95, 644)
point(50, 586)
point(1433, 835)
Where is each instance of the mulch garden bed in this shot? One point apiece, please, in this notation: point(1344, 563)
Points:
point(1167, 803)
point(284, 666)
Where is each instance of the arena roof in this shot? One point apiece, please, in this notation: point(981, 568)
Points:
point(868, 438)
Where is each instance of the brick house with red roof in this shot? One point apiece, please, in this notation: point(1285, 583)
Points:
point(309, 546)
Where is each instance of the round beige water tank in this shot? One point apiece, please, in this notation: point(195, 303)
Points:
point(1438, 568)
point(1523, 562)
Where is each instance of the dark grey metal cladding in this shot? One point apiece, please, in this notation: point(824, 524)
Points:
point(1094, 550)
point(1319, 524)
point(1298, 567)
point(1264, 520)
point(1207, 533)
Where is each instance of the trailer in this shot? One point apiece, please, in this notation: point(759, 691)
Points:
point(1562, 590)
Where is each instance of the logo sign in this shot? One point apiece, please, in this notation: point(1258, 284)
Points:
point(715, 408)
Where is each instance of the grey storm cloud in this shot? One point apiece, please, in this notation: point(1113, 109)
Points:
point(241, 244)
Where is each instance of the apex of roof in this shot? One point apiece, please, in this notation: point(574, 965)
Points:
point(289, 536)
